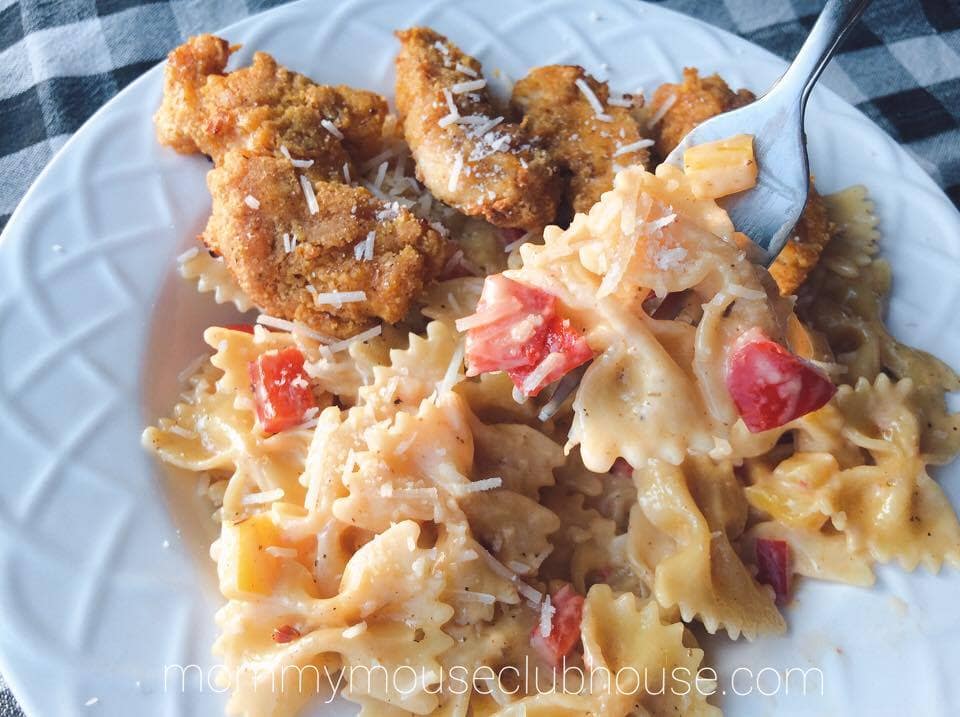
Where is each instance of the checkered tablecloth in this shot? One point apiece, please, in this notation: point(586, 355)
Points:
point(61, 59)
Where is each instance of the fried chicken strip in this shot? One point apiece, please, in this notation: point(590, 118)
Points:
point(586, 148)
point(407, 253)
point(681, 108)
point(262, 108)
point(479, 163)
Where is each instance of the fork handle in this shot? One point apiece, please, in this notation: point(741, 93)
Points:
point(833, 24)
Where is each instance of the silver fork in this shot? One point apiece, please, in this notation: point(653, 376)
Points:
point(768, 212)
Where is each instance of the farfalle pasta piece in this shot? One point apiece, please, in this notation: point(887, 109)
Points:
point(522, 457)
point(689, 561)
point(410, 468)
point(415, 372)
point(892, 507)
point(214, 427)
point(212, 276)
point(823, 555)
point(452, 299)
point(625, 641)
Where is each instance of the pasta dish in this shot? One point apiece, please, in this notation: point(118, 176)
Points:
point(402, 494)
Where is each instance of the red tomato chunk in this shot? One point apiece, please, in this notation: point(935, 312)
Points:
point(281, 389)
point(564, 627)
point(773, 567)
point(516, 329)
point(770, 386)
point(245, 328)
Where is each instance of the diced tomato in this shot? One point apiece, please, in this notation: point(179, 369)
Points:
point(564, 627)
point(281, 389)
point(515, 329)
point(245, 328)
point(773, 567)
point(770, 386)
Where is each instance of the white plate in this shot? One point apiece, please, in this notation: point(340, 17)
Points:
point(91, 339)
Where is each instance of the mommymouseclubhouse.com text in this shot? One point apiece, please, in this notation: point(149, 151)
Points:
point(510, 680)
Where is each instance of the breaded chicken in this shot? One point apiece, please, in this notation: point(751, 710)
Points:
point(262, 108)
point(256, 200)
point(696, 100)
point(802, 252)
point(584, 147)
point(683, 106)
point(466, 154)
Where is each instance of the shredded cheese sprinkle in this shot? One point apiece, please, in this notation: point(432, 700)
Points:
point(454, 181)
point(362, 336)
point(267, 496)
point(546, 617)
point(469, 71)
point(479, 486)
point(339, 298)
point(331, 128)
point(469, 86)
point(592, 100)
point(299, 163)
point(294, 327)
point(251, 201)
point(309, 194)
point(633, 147)
point(663, 109)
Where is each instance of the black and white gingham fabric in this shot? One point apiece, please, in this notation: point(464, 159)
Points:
point(61, 59)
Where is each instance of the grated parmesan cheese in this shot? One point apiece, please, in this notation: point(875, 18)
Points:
point(368, 246)
point(287, 247)
point(624, 101)
point(532, 595)
point(552, 362)
point(479, 486)
point(331, 128)
point(468, 86)
point(454, 180)
point(469, 71)
point(299, 163)
point(267, 496)
point(451, 376)
point(633, 147)
point(362, 336)
point(546, 617)
point(294, 327)
point(592, 100)
point(346, 172)
point(664, 108)
point(251, 201)
point(339, 298)
point(309, 194)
